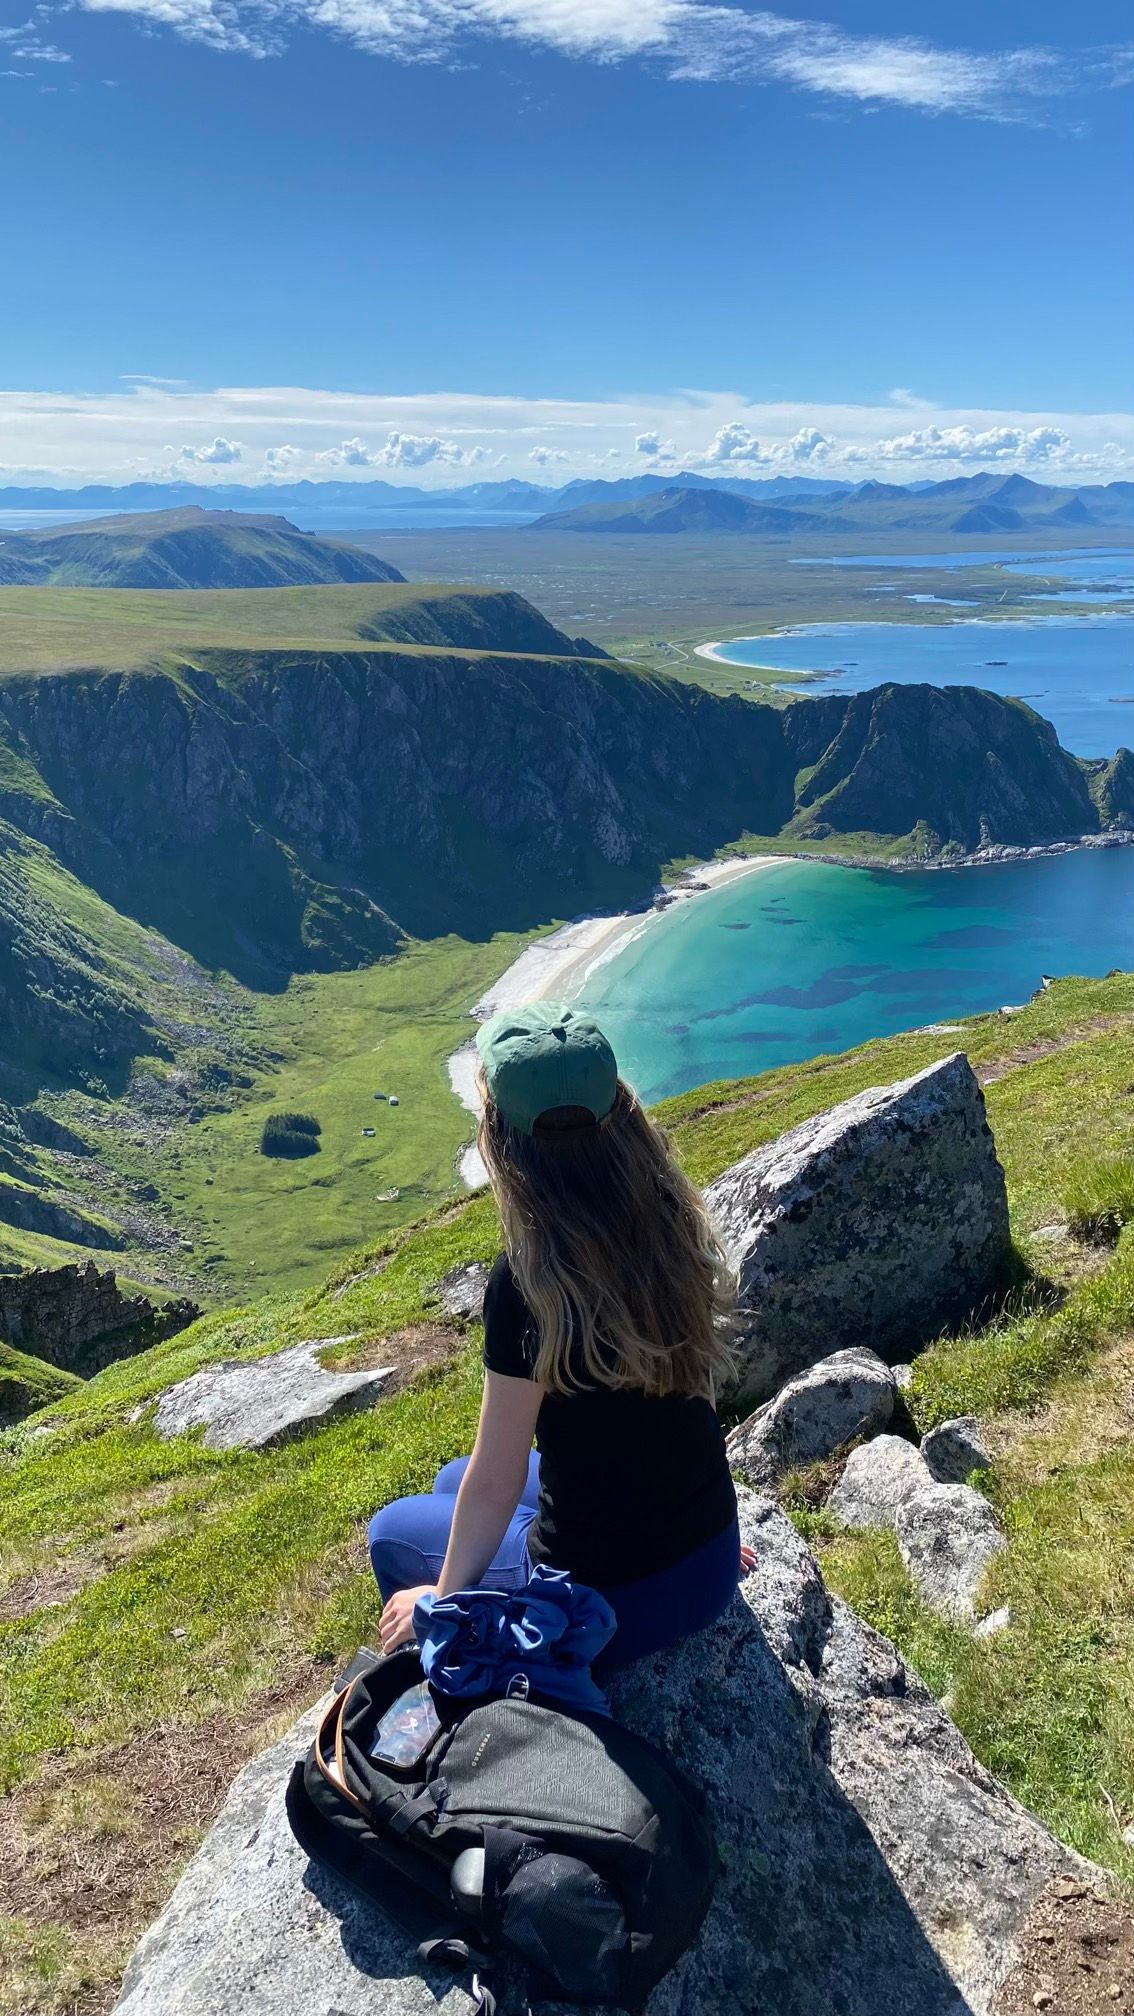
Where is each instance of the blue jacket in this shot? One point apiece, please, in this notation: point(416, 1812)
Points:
point(541, 1640)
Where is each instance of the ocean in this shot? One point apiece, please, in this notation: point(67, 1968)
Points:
point(801, 958)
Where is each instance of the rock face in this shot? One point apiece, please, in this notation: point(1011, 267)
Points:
point(870, 1866)
point(874, 1224)
point(461, 1291)
point(78, 1318)
point(878, 1478)
point(250, 1406)
point(955, 1449)
point(949, 1536)
point(821, 1410)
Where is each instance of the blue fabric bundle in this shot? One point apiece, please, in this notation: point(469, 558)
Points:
point(540, 1639)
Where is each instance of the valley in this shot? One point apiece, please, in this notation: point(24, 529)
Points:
point(262, 849)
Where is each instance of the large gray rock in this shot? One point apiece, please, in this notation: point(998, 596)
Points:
point(875, 1224)
point(870, 1866)
point(955, 1449)
point(948, 1536)
point(878, 1478)
point(821, 1410)
point(250, 1406)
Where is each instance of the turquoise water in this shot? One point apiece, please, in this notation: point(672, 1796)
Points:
point(801, 958)
point(1078, 671)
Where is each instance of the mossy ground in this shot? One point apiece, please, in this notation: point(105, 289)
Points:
point(191, 1587)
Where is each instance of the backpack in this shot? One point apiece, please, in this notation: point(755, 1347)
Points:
point(592, 1864)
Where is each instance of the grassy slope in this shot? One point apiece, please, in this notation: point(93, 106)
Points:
point(326, 1044)
point(45, 629)
point(256, 1562)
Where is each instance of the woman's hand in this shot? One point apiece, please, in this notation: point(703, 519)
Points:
point(396, 1625)
point(747, 1560)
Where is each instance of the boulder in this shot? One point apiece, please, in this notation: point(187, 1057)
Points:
point(870, 1865)
point(877, 1224)
point(878, 1478)
point(461, 1291)
point(955, 1449)
point(252, 1405)
point(821, 1410)
point(949, 1536)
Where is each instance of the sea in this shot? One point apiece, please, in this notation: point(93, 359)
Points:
point(1077, 670)
point(800, 958)
point(803, 958)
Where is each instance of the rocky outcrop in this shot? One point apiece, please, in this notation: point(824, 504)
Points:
point(78, 1318)
point(877, 1479)
point(267, 1400)
point(955, 1449)
point(461, 1291)
point(949, 1537)
point(870, 1865)
point(875, 1224)
point(814, 1415)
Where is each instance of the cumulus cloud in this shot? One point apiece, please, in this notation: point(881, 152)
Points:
point(731, 443)
point(969, 444)
point(695, 40)
point(402, 451)
point(544, 455)
point(214, 452)
point(431, 438)
point(808, 445)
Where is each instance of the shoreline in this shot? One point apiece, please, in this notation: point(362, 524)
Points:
point(560, 963)
point(563, 960)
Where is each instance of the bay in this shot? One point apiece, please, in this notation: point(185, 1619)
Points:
point(801, 958)
point(1077, 671)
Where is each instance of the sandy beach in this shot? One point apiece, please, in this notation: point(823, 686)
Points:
point(558, 967)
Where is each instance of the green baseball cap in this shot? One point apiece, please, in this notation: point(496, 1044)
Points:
point(546, 1055)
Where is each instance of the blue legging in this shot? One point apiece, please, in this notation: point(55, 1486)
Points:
point(409, 1538)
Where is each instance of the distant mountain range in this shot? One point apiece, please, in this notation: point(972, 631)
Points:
point(989, 502)
point(977, 504)
point(185, 548)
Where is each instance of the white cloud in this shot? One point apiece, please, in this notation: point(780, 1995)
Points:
point(544, 455)
point(435, 438)
point(970, 444)
point(348, 455)
point(214, 453)
point(695, 40)
point(808, 445)
point(653, 447)
point(731, 443)
point(403, 451)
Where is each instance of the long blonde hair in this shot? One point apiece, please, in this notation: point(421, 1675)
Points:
point(613, 1252)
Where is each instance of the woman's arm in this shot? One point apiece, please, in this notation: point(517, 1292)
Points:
point(488, 1497)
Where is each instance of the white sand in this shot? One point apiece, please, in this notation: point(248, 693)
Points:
point(558, 967)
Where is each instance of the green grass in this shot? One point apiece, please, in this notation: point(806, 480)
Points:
point(256, 1561)
point(54, 628)
point(1098, 1197)
point(27, 1384)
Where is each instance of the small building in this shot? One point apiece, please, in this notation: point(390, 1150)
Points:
point(394, 1100)
point(368, 1133)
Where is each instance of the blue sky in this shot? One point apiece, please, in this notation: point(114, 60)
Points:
point(406, 210)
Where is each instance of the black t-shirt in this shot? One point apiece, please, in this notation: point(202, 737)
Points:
point(629, 1484)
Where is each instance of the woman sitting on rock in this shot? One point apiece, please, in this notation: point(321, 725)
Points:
point(604, 1338)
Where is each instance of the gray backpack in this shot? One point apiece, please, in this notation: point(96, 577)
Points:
point(562, 1844)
